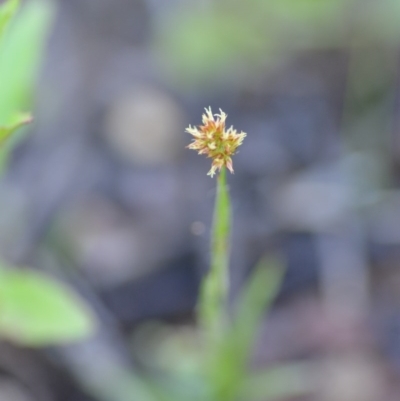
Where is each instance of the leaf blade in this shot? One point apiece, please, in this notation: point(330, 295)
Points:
point(35, 310)
point(7, 12)
point(20, 55)
point(227, 367)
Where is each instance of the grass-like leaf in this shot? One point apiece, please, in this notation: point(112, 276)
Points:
point(227, 368)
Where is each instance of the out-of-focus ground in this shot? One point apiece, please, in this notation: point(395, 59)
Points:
point(103, 193)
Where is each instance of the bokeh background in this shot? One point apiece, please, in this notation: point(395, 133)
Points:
point(102, 193)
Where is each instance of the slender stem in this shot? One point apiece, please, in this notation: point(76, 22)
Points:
point(214, 289)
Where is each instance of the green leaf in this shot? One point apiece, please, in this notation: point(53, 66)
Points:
point(116, 383)
point(214, 289)
point(7, 11)
point(228, 363)
point(280, 383)
point(20, 54)
point(255, 301)
point(6, 145)
point(181, 388)
point(36, 310)
point(19, 121)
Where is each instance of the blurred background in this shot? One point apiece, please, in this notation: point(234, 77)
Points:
point(102, 193)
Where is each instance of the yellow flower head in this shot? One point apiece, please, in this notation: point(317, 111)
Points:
point(214, 141)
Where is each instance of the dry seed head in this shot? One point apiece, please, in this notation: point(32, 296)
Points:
point(214, 141)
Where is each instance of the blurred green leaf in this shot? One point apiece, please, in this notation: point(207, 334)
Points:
point(232, 40)
point(121, 384)
point(379, 22)
point(280, 383)
point(227, 367)
point(257, 297)
point(19, 121)
point(7, 11)
point(36, 310)
point(181, 388)
point(227, 47)
point(20, 54)
point(303, 11)
point(214, 289)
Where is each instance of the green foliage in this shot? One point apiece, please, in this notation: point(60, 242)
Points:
point(218, 368)
point(227, 366)
point(20, 53)
point(7, 11)
point(197, 55)
point(235, 39)
point(21, 40)
point(279, 383)
point(213, 364)
point(228, 345)
point(19, 120)
point(36, 311)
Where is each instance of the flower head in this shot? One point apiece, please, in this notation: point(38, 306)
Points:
point(214, 141)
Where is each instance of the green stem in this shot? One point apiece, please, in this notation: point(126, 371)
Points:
point(214, 289)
